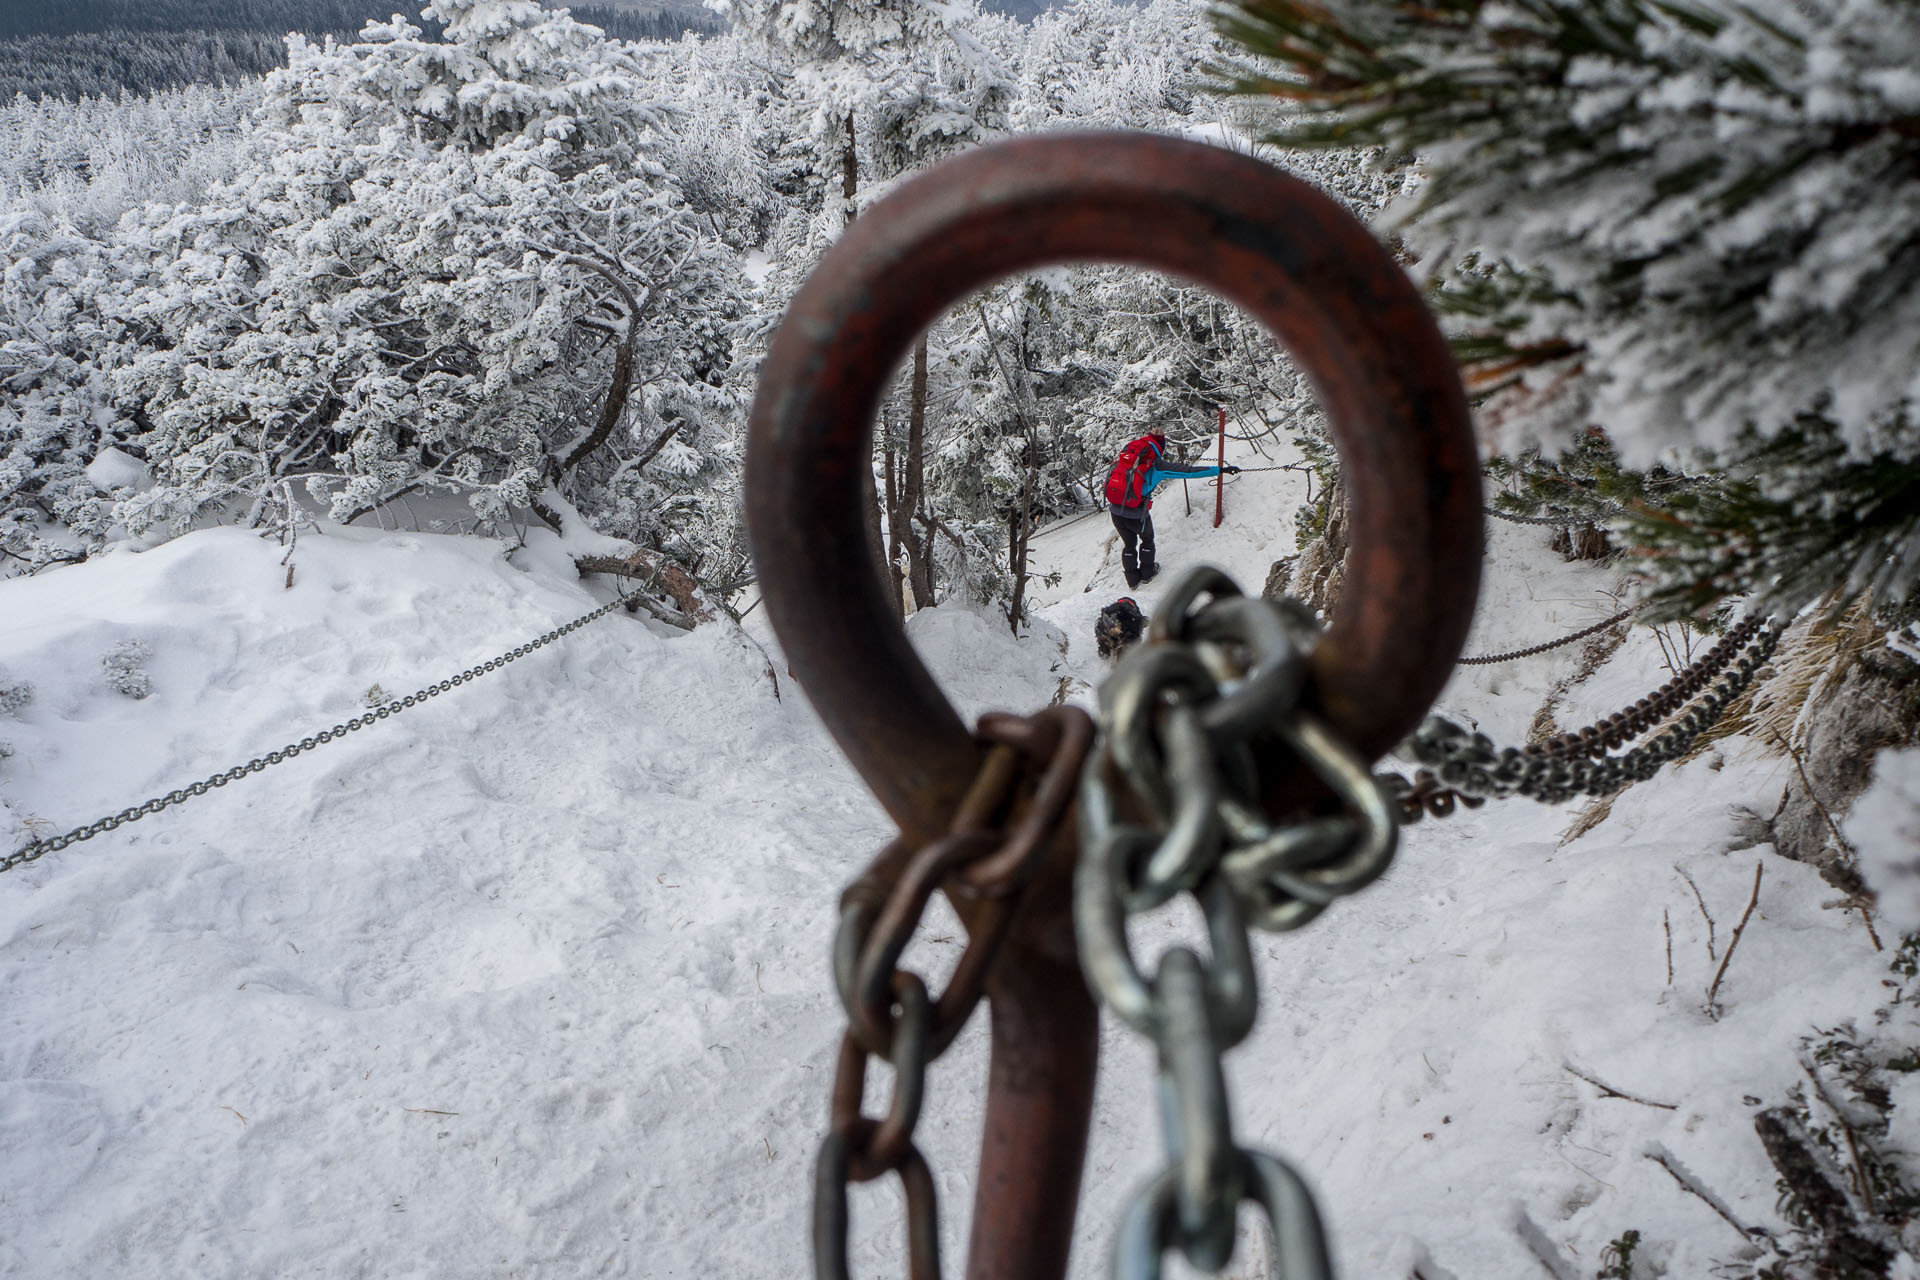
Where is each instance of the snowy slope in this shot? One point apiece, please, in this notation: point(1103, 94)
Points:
point(531, 980)
point(577, 905)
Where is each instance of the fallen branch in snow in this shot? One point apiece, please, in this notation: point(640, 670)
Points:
point(1667, 925)
point(1800, 764)
point(1856, 902)
point(1693, 1186)
point(1861, 1182)
point(1734, 941)
point(660, 613)
point(658, 572)
point(1609, 1091)
point(1818, 1192)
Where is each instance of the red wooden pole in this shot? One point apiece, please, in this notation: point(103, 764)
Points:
point(1220, 482)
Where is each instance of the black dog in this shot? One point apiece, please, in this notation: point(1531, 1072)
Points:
point(1119, 625)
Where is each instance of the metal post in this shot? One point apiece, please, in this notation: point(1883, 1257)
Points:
point(1220, 482)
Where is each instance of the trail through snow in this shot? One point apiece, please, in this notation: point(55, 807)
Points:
point(532, 980)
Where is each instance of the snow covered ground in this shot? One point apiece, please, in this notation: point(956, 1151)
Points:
point(532, 979)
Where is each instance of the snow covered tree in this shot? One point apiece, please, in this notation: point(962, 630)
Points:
point(1101, 64)
point(456, 265)
point(893, 85)
point(846, 57)
point(60, 293)
point(723, 148)
point(68, 172)
point(86, 163)
point(1692, 226)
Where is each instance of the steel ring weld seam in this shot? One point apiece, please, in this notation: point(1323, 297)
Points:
point(1273, 245)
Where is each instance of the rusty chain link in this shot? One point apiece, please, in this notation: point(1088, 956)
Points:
point(1168, 806)
point(40, 848)
point(890, 1013)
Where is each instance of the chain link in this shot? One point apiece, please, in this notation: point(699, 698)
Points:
point(40, 848)
point(890, 1013)
point(1592, 517)
point(1470, 765)
point(1168, 805)
point(1548, 646)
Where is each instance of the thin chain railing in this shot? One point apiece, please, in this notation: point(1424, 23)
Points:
point(1589, 517)
point(40, 848)
point(1467, 767)
point(1550, 645)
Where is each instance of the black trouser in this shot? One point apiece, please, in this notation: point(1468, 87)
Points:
point(1137, 565)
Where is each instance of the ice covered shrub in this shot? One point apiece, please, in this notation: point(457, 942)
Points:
point(123, 664)
point(61, 293)
point(454, 264)
point(14, 694)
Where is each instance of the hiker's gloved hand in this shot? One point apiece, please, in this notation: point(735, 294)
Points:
point(1232, 471)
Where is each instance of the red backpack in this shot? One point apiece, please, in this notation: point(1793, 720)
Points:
point(1123, 482)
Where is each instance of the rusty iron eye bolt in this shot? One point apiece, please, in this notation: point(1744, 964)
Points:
point(1342, 308)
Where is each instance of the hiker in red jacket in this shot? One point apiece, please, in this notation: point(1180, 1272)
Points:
point(1141, 466)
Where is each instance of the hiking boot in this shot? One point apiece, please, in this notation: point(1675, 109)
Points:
point(1147, 574)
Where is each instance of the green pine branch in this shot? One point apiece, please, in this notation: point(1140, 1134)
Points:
point(1789, 521)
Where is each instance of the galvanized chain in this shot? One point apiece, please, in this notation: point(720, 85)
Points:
point(40, 848)
point(1169, 805)
point(1622, 726)
point(890, 1013)
point(1549, 645)
point(1592, 517)
point(1468, 766)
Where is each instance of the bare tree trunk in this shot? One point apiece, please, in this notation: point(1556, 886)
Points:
point(869, 492)
point(1020, 532)
point(913, 485)
point(849, 172)
point(1020, 517)
point(1017, 564)
point(894, 540)
point(619, 387)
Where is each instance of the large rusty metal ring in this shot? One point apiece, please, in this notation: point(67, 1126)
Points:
point(1266, 241)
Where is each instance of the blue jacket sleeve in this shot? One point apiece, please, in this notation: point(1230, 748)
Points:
point(1169, 470)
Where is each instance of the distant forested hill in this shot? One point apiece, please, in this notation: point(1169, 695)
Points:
point(269, 17)
point(90, 48)
point(97, 64)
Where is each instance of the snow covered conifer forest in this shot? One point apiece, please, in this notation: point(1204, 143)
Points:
point(320, 385)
